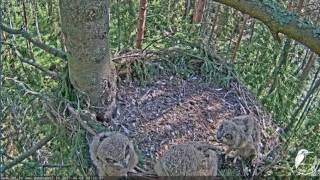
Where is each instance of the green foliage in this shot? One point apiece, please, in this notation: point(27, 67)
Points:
point(144, 72)
point(227, 173)
point(123, 23)
point(217, 73)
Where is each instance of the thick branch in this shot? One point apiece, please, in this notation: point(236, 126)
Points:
point(56, 52)
point(279, 20)
point(23, 156)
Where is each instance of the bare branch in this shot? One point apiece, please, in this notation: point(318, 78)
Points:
point(31, 62)
point(52, 74)
point(23, 156)
point(82, 123)
point(24, 87)
point(56, 52)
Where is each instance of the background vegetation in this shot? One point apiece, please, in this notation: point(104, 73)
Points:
point(283, 75)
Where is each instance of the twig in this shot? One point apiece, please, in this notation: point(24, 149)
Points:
point(148, 54)
point(52, 74)
point(55, 166)
point(159, 39)
point(29, 61)
point(83, 124)
point(24, 87)
point(56, 52)
point(122, 57)
point(23, 156)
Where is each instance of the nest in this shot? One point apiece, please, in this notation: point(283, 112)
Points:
point(171, 110)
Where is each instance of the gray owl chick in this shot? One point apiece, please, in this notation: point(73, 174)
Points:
point(241, 135)
point(190, 159)
point(113, 154)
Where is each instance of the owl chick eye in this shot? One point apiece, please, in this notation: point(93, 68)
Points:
point(228, 136)
point(127, 151)
point(110, 160)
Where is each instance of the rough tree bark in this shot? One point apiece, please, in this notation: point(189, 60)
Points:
point(142, 23)
point(279, 21)
point(85, 25)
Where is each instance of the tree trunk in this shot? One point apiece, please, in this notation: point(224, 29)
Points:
point(26, 26)
point(306, 70)
point(85, 25)
point(34, 10)
point(235, 50)
point(290, 4)
point(142, 23)
point(214, 24)
point(186, 8)
point(198, 11)
point(300, 8)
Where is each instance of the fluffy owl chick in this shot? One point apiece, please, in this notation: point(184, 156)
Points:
point(241, 135)
point(113, 154)
point(190, 159)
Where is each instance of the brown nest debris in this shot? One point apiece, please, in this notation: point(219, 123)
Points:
point(171, 110)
